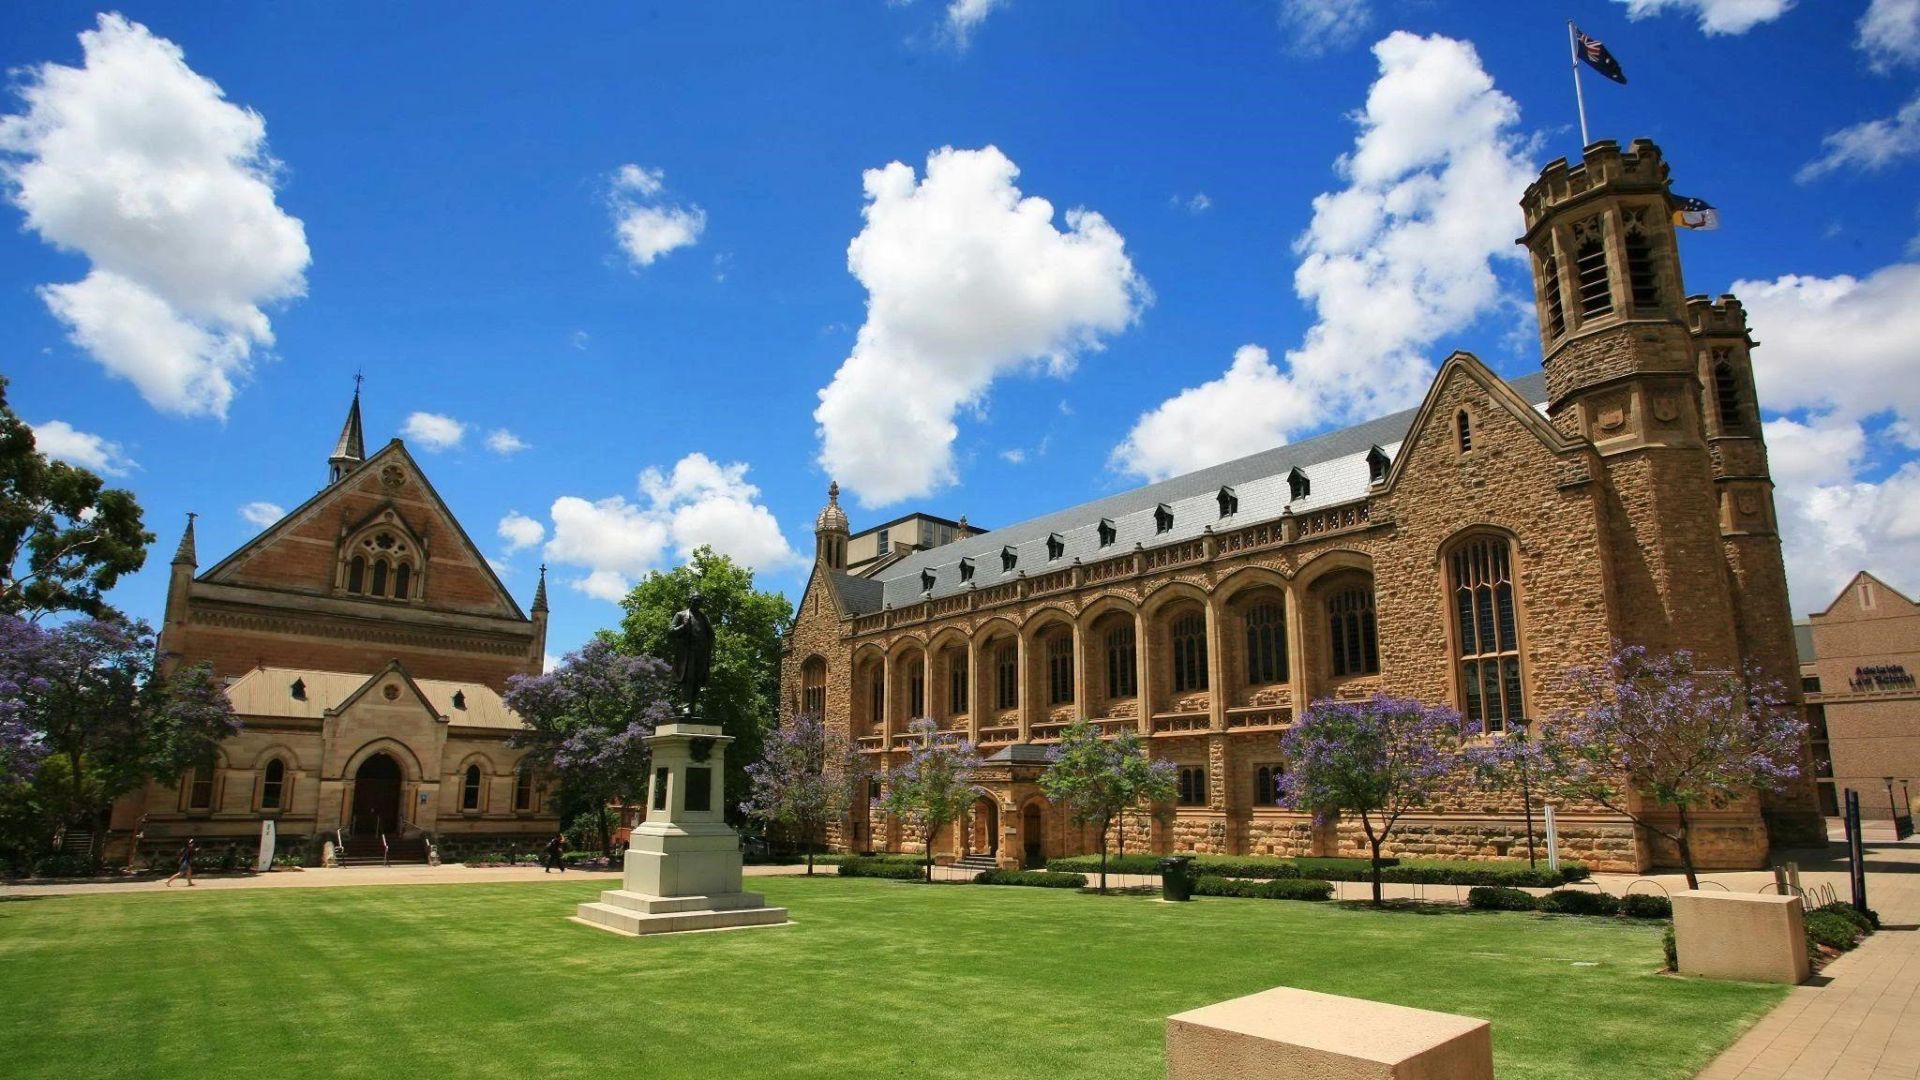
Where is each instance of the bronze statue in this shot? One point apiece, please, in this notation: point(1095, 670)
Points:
point(692, 636)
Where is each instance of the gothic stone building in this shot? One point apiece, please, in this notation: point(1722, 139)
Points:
point(1467, 551)
point(365, 643)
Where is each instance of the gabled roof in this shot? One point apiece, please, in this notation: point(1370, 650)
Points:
point(394, 450)
point(1335, 463)
point(1853, 583)
point(268, 692)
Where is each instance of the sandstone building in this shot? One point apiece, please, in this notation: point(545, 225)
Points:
point(365, 643)
point(1860, 659)
point(1467, 551)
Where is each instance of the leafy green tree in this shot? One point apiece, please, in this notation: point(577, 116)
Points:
point(749, 626)
point(93, 699)
point(935, 786)
point(1099, 779)
point(65, 537)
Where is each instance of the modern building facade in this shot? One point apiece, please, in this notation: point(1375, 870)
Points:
point(1467, 551)
point(1859, 662)
point(365, 643)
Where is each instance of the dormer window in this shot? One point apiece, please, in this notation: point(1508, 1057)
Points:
point(298, 689)
point(1056, 547)
point(926, 581)
point(460, 700)
point(966, 569)
point(1107, 532)
point(1162, 518)
point(1298, 486)
point(1377, 462)
point(1009, 558)
point(1229, 502)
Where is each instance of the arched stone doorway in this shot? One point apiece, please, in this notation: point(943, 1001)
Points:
point(1033, 846)
point(983, 834)
point(376, 796)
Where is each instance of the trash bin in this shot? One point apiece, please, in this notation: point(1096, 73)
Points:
point(1176, 877)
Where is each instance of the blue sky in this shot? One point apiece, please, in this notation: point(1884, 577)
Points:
point(622, 236)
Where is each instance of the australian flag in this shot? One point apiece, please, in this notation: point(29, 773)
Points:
point(1597, 57)
point(1691, 213)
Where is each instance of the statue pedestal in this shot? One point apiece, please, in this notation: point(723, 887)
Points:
point(683, 863)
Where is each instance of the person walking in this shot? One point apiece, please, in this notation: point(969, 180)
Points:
point(186, 865)
point(554, 847)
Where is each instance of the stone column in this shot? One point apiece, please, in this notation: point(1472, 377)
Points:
point(1299, 647)
point(1216, 669)
point(926, 686)
point(888, 692)
point(1025, 697)
point(1079, 670)
point(1143, 672)
point(974, 683)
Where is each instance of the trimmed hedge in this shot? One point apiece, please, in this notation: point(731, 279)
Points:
point(1833, 930)
point(1041, 879)
point(1579, 902)
point(1499, 898)
point(1867, 923)
point(1274, 889)
point(1646, 906)
point(880, 868)
point(1416, 872)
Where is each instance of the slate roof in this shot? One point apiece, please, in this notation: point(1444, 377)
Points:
point(1334, 463)
point(1022, 754)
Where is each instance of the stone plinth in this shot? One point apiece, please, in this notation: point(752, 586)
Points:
point(1298, 1034)
point(1751, 936)
point(683, 863)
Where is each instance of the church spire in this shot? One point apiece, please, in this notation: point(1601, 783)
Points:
point(540, 591)
point(351, 448)
point(186, 552)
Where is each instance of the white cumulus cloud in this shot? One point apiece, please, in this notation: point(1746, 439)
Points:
point(965, 16)
point(502, 441)
point(1316, 26)
point(262, 514)
point(140, 164)
point(1402, 256)
point(967, 280)
point(615, 540)
point(1868, 145)
point(1889, 33)
point(1715, 16)
point(647, 226)
point(520, 531)
point(434, 431)
point(61, 441)
point(1847, 500)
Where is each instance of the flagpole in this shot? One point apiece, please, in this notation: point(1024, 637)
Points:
point(1573, 51)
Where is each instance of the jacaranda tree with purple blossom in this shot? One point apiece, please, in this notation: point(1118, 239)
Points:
point(804, 781)
point(587, 722)
point(1376, 759)
point(1654, 732)
point(89, 701)
point(934, 788)
point(1101, 779)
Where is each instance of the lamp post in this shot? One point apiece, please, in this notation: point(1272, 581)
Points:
point(1526, 791)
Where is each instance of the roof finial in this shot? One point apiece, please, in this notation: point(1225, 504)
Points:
point(540, 591)
point(185, 553)
point(832, 518)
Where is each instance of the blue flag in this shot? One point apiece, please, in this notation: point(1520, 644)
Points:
point(1595, 55)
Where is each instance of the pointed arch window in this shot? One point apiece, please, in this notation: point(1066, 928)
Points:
point(1266, 785)
point(1726, 393)
point(1590, 266)
point(1550, 293)
point(1352, 637)
point(1188, 636)
point(1643, 276)
point(1486, 633)
point(1006, 662)
point(957, 677)
point(1122, 663)
point(470, 789)
point(273, 784)
point(877, 702)
point(1060, 669)
point(1266, 643)
point(402, 580)
point(357, 575)
point(917, 692)
point(379, 578)
point(813, 686)
point(523, 789)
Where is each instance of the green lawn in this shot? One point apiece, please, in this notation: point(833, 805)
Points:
point(877, 978)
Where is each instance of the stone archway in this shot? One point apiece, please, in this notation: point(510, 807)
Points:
point(983, 832)
point(376, 795)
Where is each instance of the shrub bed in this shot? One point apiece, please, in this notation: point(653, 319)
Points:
point(1273, 889)
point(881, 868)
point(1646, 906)
point(1835, 931)
point(1579, 902)
point(1414, 872)
point(1867, 923)
point(1041, 879)
point(1499, 898)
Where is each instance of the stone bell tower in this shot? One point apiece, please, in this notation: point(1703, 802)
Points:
point(1622, 371)
point(830, 532)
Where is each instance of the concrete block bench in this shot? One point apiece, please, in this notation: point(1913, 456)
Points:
point(1283, 1032)
point(1751, 936)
